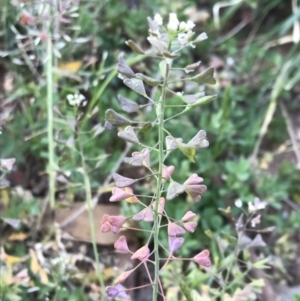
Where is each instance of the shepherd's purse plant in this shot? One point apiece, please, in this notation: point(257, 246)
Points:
point(167, 43)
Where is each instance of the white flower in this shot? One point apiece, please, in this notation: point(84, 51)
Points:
point(158, 19)
point(238, 203)
point(186, 26)
point(183, 38)
point(120, 76)
point(169, 61)
point(182, 26)
point(230, 61)
point(258, 205)
point(189, 25)
point(76, 99)
point(179, 93)
point(173, 22)
point(255, 221)
point(201, 37)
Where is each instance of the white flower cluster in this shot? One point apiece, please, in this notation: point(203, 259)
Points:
point(183, 29)
point(174, 23)
point(158, 19)
point(76, 99)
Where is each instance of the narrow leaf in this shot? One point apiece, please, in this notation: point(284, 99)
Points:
point(228, 238)
point(186, 291)
point(203, 101)
point(134, 47)
point(148, 80)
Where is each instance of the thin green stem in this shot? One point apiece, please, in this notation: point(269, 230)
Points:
point(50, 105)
point(176, 115)
point(89, 202)
point(160, 116)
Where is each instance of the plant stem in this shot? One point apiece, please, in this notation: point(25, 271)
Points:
point(51, 143)
point(160, 117)
point(89, 202)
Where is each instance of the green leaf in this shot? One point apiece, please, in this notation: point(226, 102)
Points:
point(186, 291)
point(209, 234)
point(228, 238)
point(226, 212)
point(261, 264)
point(188, 151)
point(260, 283)
point(203, 101)
point(146, 127)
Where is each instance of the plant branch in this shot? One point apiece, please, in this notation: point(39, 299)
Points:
point(160, 116)
point(89, 202)
point(50, 105)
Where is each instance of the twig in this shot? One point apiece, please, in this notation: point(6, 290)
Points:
point(50, 101)
point(292, 204)
point(216, 10)
point(28, 62)
point(291, 132)
point(276, 91)
point(231, 33)
point(296, 28)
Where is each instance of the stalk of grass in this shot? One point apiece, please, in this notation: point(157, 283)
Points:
point(89, 203)
point(50, 103)
point(276, 92)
